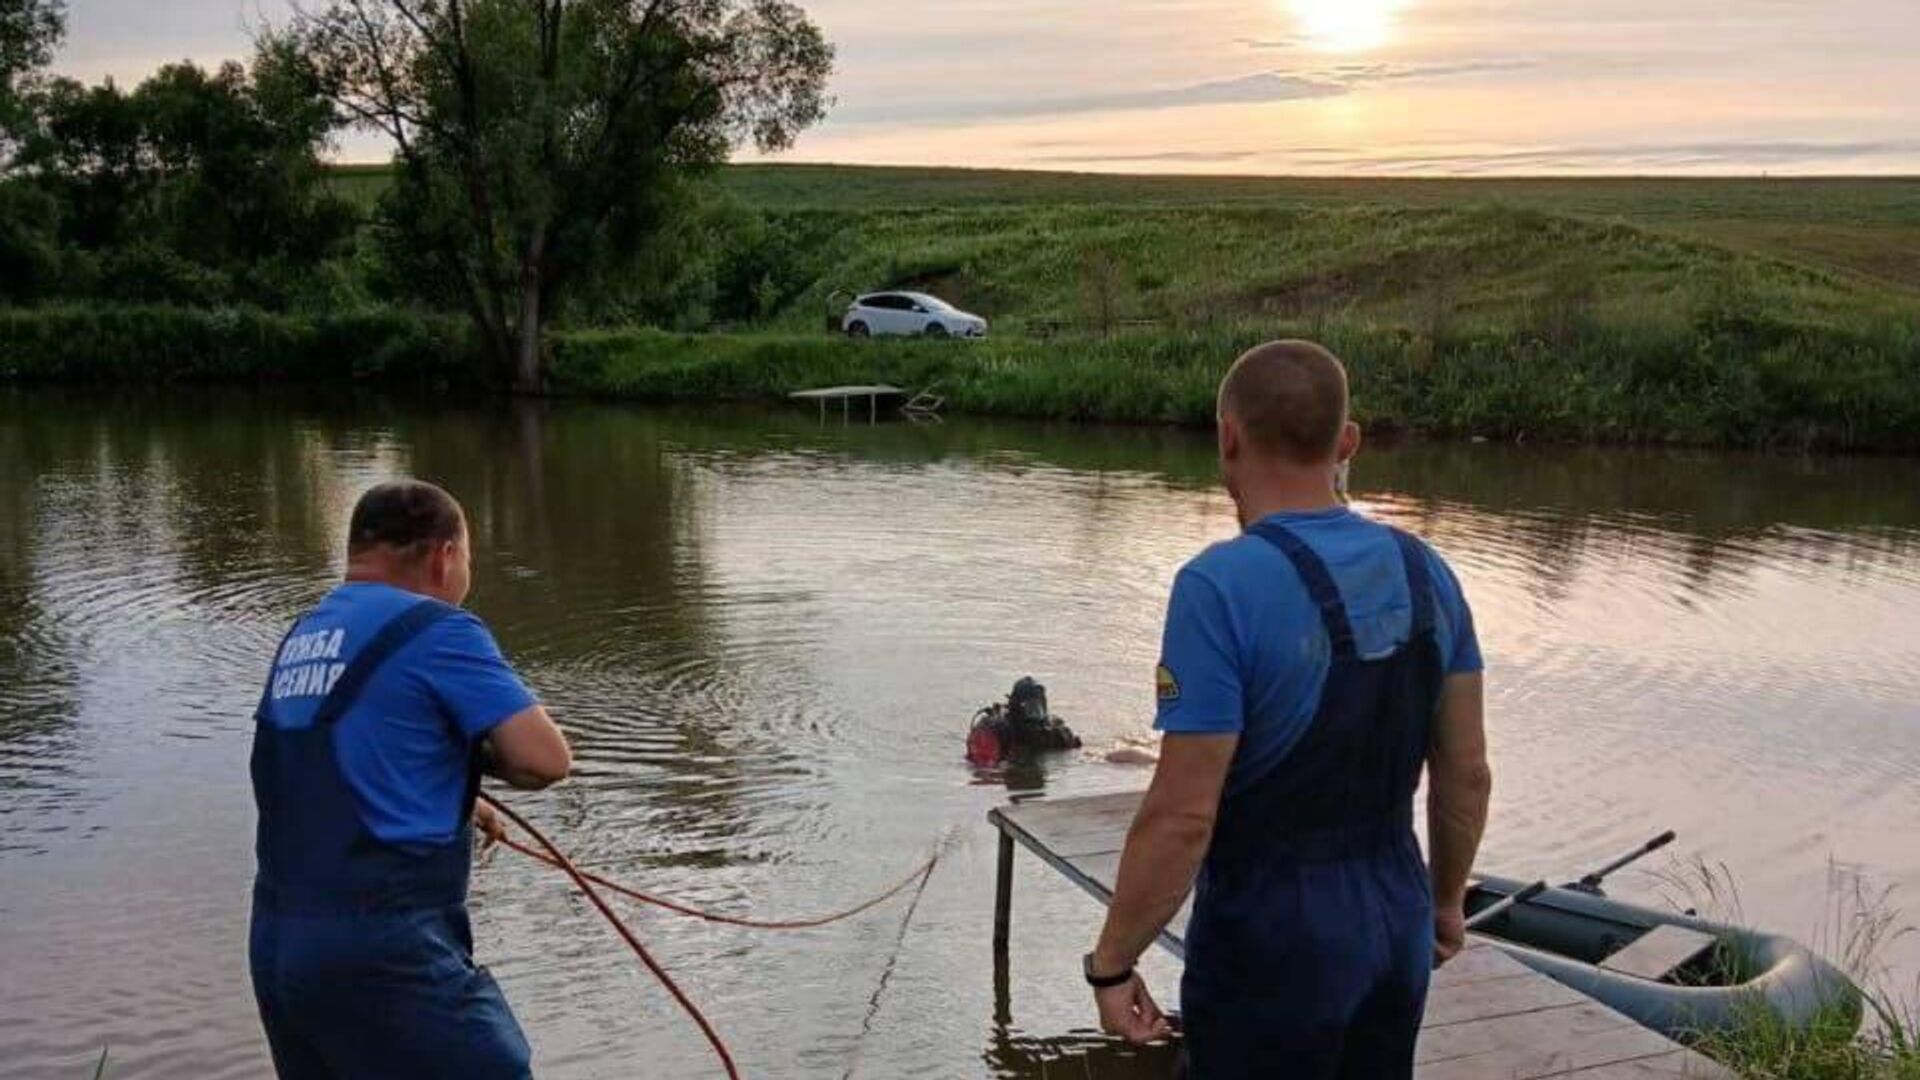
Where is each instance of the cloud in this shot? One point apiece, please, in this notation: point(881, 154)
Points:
point(1357, 74)
point(1164, 157)
point(1289, 41)
point(1257, 88)
point(1728, 154)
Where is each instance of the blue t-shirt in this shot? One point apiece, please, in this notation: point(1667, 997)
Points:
point(403, 747)
point(1245, 651)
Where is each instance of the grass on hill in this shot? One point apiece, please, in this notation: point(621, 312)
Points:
point(1744, 312)
point(1869, 227)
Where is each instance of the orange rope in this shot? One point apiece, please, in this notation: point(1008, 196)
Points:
point(925, 869)
point(556, 858)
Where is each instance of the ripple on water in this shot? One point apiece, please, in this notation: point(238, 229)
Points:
point(765, 659)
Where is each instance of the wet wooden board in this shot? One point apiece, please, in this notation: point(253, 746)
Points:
point(1488, 1017)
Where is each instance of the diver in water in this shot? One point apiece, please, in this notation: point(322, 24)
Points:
point(1020, 725)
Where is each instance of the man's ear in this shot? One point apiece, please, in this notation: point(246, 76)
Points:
point(1350, 440)
point(441, 567)
point(1229, 439)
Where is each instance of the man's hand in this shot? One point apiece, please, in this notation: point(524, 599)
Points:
point(1128, 1011)
point(492, 828)
point(1449, 934)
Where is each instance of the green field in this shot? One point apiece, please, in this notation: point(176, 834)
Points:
point(1864, 234)
point(1780, 313)
point(1864, 227)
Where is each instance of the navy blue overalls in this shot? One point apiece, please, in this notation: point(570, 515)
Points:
point(361, 950)
point(1311, 943)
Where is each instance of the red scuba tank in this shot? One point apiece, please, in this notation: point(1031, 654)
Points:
point(983, 745)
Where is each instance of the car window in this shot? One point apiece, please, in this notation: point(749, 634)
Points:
point(889, 302)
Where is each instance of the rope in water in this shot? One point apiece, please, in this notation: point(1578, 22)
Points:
point(919, 873)
point(586, 886)
point(886, 974)
point(588, 883)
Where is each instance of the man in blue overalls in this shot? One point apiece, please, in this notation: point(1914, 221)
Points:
point(1313, 668)
point(384, 705)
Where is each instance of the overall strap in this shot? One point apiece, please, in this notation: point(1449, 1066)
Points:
point(1419, 582)
point(1320, 584)
point(397, 634)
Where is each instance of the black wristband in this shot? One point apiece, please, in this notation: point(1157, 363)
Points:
point(1104, 982)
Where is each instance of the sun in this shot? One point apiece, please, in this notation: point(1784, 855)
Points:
point(1346, 25)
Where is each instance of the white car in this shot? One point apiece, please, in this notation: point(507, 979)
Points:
point(909, 314)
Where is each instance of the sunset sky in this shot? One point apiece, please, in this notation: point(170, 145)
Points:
point(1294, 86)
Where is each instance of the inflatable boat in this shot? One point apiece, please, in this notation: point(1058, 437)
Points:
point(1677, 974)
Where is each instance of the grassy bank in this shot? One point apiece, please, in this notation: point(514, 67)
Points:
point(142, 345)
point(1707, 312)
point(1725, 379)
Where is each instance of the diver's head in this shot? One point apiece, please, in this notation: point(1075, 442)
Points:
point(1028, 702)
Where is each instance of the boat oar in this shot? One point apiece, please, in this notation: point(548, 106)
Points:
point(1507, 905)
point(1589, 883)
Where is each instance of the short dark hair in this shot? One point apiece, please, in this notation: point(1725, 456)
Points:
point(405, 514)
point(1290, 398)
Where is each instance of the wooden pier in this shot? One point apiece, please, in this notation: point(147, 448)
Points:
point(846, 395)
point(1488, 1017)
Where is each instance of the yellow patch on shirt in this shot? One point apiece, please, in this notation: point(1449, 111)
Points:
point(1165, 685)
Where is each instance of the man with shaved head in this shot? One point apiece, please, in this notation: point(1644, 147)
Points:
point(385, 703)
point(1312, 669)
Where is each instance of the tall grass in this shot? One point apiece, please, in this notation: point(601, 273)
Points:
point(152, 344)
point(1717, 377)
point(1860, 925)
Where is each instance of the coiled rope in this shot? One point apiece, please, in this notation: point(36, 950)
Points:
point(591, 883)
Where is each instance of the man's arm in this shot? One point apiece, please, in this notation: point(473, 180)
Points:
point(528, 751)
point(1163, 852)
point(1459, 788)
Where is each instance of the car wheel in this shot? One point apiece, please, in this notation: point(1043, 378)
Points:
point(935, 329)
point(859, 329)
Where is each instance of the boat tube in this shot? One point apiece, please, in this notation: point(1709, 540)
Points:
point(1580, 938)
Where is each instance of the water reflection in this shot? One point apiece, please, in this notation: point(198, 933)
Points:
point(767, 637)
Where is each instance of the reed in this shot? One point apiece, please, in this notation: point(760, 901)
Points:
point(1700, 380)
point(1861, 923)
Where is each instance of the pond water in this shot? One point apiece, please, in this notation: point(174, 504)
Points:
point(766, 637)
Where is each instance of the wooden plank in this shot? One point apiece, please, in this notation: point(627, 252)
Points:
point(1104, 817)
point(1105, 869)
point(1676, 1065)
point(1478, 963)
point(1484, 1036)
point(1657, 953)
point(836, 393)
point(1498, 997)
point(1544, 1049)
point(1100, 888)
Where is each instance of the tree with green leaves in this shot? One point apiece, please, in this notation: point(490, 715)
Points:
point(197, 187)
point(532, 137)
point(30, 30)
